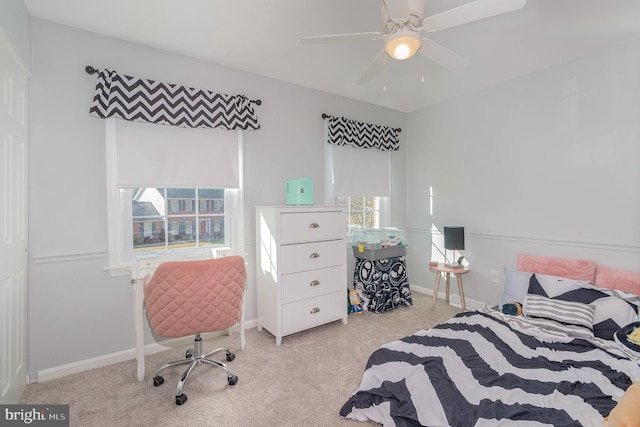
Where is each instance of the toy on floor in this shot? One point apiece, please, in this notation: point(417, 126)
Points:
point(512, 308)
point(354, 302)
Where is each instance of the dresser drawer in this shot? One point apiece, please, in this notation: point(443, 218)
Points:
point(311, 256)
point(313, 283)
point(311, 226)
point(309, 313)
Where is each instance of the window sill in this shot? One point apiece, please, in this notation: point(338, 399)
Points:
point(149, 261)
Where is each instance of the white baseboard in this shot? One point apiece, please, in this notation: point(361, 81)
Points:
point(421, 290)
point(454, 299)
point(121, 356)
point(471, 304)
point(84, 365)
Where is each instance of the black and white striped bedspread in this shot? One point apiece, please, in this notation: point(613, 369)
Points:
point(482, 368)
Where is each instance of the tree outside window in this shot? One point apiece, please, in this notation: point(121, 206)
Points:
point(362, 213)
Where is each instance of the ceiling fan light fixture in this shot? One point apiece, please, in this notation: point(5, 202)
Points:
point(403, 45)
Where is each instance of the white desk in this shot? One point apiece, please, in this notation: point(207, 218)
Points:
point(137, 280)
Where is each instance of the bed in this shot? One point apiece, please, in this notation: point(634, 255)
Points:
point(564, 362)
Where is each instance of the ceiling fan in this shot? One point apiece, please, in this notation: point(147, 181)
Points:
point(404, 23)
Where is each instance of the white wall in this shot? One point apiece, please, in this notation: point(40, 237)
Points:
point(14, 25)
point(546, 164)
point(76, 310)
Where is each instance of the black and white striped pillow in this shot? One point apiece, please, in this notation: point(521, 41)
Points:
point(613, 309)
point(565, 312)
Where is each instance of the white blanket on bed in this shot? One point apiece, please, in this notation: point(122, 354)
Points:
point(484, 368)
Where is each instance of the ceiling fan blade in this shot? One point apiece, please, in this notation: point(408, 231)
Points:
point(443, 56)
point(474, 11)
point(339, 38)
point(376, 65)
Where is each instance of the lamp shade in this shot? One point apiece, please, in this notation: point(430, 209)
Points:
point(403, 45)
point(454, 238)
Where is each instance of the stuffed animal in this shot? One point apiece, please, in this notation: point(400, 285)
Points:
point(354, 302)
point(512, 308)
point(635, 336)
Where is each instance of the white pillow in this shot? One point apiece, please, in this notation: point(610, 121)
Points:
point(516, 284)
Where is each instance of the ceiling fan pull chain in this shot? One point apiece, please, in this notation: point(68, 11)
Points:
point(384, 80)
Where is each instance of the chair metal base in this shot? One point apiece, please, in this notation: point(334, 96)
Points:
point(194, 358)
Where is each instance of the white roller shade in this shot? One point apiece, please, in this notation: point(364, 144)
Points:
point(361, 172)
point(151, 155)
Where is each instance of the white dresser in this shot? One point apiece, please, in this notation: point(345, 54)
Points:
point(301, 267)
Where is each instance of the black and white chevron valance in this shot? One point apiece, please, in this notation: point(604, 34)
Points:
point(142, 100)
point(362, 135)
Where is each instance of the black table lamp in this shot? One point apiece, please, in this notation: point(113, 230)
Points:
point(454, 240)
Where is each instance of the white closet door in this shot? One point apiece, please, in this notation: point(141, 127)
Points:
point(13, 226)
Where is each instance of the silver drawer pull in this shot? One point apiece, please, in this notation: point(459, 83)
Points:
point(314, 283)
point(314, 255)
point(315, 311)
point(314, 225)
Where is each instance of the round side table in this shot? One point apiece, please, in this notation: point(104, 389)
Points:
point(448, 271)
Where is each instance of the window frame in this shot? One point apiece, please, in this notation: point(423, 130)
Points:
point(384, 202)
point(382, 213)
point(121, 259)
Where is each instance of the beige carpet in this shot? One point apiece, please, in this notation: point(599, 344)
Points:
point(304, 382)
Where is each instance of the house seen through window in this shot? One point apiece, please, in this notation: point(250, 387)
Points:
point(165, 218)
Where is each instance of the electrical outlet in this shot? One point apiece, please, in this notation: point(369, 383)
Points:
point(495, 276)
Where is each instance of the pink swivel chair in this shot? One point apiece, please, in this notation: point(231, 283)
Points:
point(185, 298)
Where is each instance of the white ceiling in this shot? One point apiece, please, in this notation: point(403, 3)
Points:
point(263, 37)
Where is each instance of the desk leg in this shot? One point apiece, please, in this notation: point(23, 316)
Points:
point(138, 321)
point(448, 281)
point(461, 290)
point(435, 290)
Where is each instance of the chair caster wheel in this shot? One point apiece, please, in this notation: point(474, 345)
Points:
point(230, 356)
point(181, 399)
point(188, 354)
point(232, 380)
point(157, 381)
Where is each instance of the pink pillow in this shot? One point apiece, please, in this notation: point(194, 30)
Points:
point(614, 278)
point(576, 269)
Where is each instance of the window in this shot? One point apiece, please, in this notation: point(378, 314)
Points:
point(342, 181)
point(156, 206)
point(156, 229)
point(363, 212)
